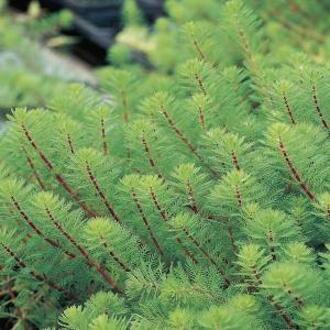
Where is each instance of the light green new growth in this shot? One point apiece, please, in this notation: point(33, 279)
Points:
point(197, 197)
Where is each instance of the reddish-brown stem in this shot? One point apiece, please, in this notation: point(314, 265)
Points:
point(103, 136)
point(298, 301)
point(200, 84)
point(26, 238)
point(37, 276)
point(279, 309)
point(163, 215)
point(75, 196)
point(234, 160)
point(201, 117)
point(231, 238)
point(294, 173)
point(146, 222)
point(70, 144)
point(198, 49)
point(229, 229)
point(58, 177)
point(183, 138)
point(191, 198)
point(125, 105)
point(148, 152)
point(90, 262)
point(116, 258)
point(18, 310)
point(283, 314)
point(245, 43)
point(207, 255)
point(101, 194)
point(288, 109)
point(178, 132)
point(186, 251)
point(318, 109)
point(238, 196)
point(294, 6)
point(157, 205)
point(47, 163)
point(36, 229)
point(34, 171)
point(271, 245)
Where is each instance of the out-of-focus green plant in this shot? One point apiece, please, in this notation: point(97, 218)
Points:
point(197, 197)
point(195, 26)
point(23, 76)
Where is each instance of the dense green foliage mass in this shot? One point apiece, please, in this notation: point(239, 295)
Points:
point(26, 77)
point(197, 197)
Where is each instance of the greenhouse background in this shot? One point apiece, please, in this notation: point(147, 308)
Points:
point(164, 164)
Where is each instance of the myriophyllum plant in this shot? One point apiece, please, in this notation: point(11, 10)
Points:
point(197, 199)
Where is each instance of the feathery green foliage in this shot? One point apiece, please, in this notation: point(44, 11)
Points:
point(197, 197)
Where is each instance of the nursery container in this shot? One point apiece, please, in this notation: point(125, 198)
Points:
point(19, 4)
point(97, 21)
point(97, 12)
point(52, 4)
point(101, 36)
point(152, 9)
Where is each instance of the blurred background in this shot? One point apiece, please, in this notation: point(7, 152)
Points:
point(45, 44)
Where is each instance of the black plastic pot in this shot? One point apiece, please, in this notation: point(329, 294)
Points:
point(101, 36)
point(106, 13)
point(52, 4)
point(97, 22)
point(24, 4)
point(152, 9)
point(19, 4)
